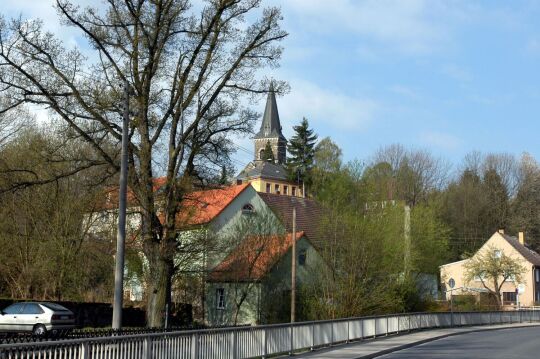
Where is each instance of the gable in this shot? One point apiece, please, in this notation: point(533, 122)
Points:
point(252, 259)
point(511, 247)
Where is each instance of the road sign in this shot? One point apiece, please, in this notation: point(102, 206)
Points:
point(452, 283)
point(521, 288)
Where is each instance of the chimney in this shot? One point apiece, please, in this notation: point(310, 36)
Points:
point(521, 237)
point(501, 231)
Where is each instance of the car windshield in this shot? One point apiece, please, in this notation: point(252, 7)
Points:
point(55, 307)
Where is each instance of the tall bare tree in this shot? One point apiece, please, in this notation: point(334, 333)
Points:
point(188, 68)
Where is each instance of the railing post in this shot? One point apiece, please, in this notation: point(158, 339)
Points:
point(409, 323)
point(348, 330)
point(265, 340)
point(147, 348)
point(291, 340)
point(312, 336)
point(235, 344)
point(386, 325)
point(84, 353)
point(331, 333)
point(195, 346)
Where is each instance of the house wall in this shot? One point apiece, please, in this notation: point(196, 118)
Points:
point(248, 311)
point(269, 300)
point(457, 271)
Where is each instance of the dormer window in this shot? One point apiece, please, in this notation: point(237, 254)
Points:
point(248, 208)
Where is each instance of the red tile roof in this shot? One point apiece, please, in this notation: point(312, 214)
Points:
point(253, 258)
point(201, 207)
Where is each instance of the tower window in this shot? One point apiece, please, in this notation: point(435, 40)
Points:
point(294, 191)
point(276, 188)
point(268, 188)
point(261, 153)
point(285, 189)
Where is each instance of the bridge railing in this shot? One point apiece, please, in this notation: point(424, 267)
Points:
point(255, 341)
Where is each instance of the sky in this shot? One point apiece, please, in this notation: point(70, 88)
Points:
point(448, 76)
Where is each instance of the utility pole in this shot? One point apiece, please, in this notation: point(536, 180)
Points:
point(293, 268)
point(407, 235)
point(121, 235)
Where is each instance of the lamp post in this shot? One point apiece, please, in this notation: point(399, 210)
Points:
point(122, 204)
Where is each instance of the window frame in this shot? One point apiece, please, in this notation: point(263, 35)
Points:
point(248, 209)
point(220, 298)
point(302, 257)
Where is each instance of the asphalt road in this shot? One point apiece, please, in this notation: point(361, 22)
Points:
point(504, 344)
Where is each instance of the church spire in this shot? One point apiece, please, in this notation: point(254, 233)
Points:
point(270, 131)
point(270, 126)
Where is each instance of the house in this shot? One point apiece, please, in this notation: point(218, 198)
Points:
point(512, 247)
point(252, 285)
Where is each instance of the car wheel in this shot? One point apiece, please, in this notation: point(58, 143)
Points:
point(39, 330)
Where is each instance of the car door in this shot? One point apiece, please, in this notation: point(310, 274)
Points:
point(30, 316)
point(9, 321)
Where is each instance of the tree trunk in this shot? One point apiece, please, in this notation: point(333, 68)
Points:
point(158, 289)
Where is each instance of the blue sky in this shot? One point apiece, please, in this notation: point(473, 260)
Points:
point(449, 76)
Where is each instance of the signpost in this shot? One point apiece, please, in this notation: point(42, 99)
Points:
point(451, 284)
point(519, 290)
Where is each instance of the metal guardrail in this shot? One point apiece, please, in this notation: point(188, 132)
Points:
point(255, 341)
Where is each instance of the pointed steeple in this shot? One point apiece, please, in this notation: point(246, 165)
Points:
point(270, 127)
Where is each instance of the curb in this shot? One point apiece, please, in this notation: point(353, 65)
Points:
point(442, 336)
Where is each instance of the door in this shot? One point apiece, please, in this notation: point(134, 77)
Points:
point(31, 315)
point(10, 321)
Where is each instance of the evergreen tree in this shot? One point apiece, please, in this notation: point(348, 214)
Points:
point(268, 154)
point(301, 149)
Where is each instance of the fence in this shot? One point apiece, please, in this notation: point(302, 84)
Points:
point(255, 341)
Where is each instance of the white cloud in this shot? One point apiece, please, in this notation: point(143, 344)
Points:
point(325, 107)
point(442, 140)
point(405, 25)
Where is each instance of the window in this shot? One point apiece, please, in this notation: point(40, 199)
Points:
point(32, 308)
point(276, 188)
point(537, 275)
point(261, 153)
point(248, 208)
point(497, 253)
point(509, 297)
point(268, 188)
point(302, 257)
point(220, 298)
point(14, 308)
point(294, 191)
point(285, 189)
point(55, 307)
point(239, 182)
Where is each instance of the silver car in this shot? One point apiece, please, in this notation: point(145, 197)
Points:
point(39, 318)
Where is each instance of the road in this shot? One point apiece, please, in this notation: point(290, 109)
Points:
point(503, 344)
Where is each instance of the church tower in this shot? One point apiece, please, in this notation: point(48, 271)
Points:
point(270, 176)
point(270, 131)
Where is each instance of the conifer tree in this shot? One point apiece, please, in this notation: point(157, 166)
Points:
point(268, 154)
point(301, 149)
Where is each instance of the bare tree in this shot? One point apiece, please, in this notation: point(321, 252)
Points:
point(416, 173)
point(188, 72)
